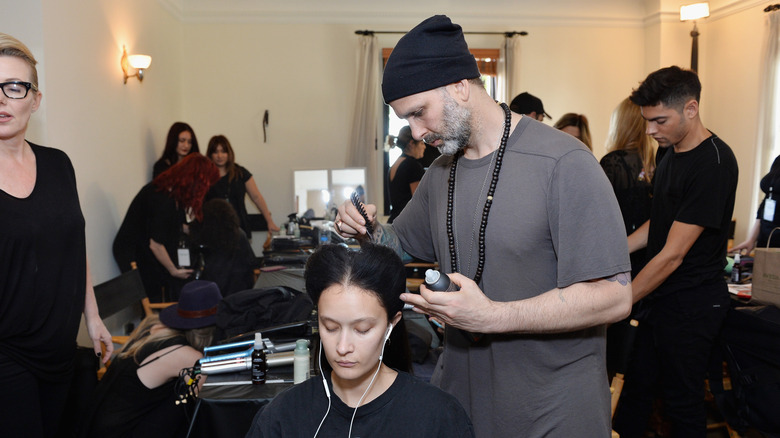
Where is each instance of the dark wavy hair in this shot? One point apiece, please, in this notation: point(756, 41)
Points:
point(670, 86)
point(220, 229)
point(230, 166)
point(373, 268)
point(169, 153)
point(188, 181)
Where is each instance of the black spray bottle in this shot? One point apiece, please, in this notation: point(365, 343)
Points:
point(436, 281)
point(259, 364)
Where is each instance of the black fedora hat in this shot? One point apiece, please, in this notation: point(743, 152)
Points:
point(197, 306)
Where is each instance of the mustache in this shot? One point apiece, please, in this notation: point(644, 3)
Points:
point(432, 138)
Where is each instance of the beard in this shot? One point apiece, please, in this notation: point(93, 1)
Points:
point(456, 128)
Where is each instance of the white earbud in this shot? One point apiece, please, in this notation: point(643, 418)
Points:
point(389, 330)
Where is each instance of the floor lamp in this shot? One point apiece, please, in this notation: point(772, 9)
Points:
point(693, 12)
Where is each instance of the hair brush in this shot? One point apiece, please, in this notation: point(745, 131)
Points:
point(362, 210)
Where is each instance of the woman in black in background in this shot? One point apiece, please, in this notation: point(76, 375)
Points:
point(406, 172)
point(181, 142)
point(767, 217)
point(234, 184)
point(629, 166)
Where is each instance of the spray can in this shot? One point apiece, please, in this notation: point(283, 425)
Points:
point(436, 281)
point(259, 364)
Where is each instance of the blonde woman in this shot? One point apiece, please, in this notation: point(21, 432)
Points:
point(136, 397)
point(44, 274)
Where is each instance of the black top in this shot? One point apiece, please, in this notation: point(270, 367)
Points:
point(131, 243)
point(231, 268)
point(634, 193)
point(409, 408)
point(42, 268)
point(409, 171)
point(770, 183)
point(234, 192)
point(694, 187)
point(160, 166)
point(122, 406)
point(152, 214)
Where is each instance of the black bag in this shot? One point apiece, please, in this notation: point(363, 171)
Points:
point(255, 309)
point(750, 344)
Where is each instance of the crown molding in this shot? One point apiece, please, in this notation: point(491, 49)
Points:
point(281, 12)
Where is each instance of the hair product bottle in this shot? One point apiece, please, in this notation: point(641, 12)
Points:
point(259, 364)
point(301, 361)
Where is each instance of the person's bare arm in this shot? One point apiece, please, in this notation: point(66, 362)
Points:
point(97, 331)
point(575, 307)
point(750, 243)
point(681, 238)
point(638, 239)
point(161, 254)
point(259, 201)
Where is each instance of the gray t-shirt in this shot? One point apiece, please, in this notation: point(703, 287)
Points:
point(554, 222)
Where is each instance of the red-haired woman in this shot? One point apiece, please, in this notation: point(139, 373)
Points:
point(157, 220)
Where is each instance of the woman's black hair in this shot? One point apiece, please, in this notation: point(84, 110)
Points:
point(220, 228)
point(373, 268)
point(169, 153)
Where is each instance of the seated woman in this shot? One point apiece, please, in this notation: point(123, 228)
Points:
point(228, 257)
point(137, 395)
point(357, 294)
point(577, 126)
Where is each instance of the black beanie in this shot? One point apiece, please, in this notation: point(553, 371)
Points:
point(431, 55)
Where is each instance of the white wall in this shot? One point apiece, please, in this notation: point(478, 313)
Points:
point(730, 57)
point(111, 131)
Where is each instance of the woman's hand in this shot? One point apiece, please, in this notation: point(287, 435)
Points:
point(100, 337)
point(180, 273)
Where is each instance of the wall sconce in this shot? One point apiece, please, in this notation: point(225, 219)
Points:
point(693, 12)
point(134, 65)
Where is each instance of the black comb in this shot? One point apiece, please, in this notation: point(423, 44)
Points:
point(359, 205)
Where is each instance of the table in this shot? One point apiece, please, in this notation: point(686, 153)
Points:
point(228, 410)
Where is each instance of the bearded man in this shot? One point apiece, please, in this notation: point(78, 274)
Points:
point(524, 219)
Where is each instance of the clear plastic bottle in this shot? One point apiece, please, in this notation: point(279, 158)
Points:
point(301, 361)
point(259, 364)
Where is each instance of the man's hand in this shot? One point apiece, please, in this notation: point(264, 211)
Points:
point(468, 309)
point(350, 223)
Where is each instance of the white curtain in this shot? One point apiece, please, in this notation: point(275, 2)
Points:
point(770, 101)
point(363, 133)
point(509, 75)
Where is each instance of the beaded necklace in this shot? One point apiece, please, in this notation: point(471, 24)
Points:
point(488, 201)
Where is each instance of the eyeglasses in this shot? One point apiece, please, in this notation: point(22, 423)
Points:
point(17, 89)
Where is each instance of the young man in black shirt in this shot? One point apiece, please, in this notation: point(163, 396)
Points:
point(685, 297)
